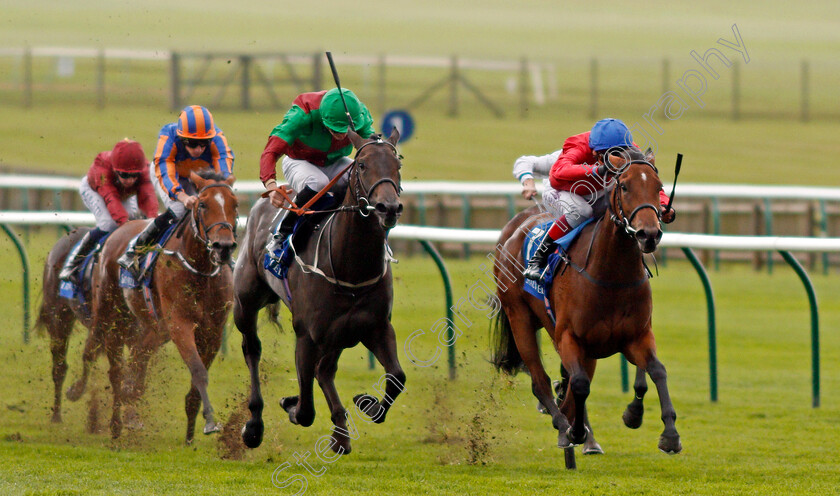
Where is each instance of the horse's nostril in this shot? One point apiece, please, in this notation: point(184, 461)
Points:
point(381, 208)
point(399, 209)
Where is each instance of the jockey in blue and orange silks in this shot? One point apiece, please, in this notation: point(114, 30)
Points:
point(578, 184)
point(192, 144)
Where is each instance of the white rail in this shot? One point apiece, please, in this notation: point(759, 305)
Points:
point(731, 191)
point(491, 236)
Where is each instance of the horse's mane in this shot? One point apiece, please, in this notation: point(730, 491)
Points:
point(210, 174)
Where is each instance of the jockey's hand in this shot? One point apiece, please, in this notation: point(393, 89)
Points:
point(529, 189)
point(668, 215)
point(277, 200)
point(187, 200)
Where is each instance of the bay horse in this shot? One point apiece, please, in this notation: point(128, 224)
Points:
point(602, 304)
point(340, 293)
point(58, 316)
point(189, 300)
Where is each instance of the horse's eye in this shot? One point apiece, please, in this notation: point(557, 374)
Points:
point(202, 205)
point(362, 166)
point(624, 187)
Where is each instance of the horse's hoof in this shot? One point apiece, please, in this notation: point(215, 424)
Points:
point(577, 439)
point(340, 444)
point(592, 449)
point(56, 418)
point(132, 420)
point(252, 433)
point(188, 441)
point(563, 440)
point(631, 418)
point(288, 402)
point(670, 445)
point(116, 429)
point(211, 427)
point(370, 406)
point(75, 392)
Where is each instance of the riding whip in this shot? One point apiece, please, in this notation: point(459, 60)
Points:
point(674, 187)
point(340, 93)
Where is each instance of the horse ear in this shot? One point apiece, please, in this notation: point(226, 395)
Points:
point(395, 136)
point(357, 140)
point(197, 180)
point(649, 156)
point(230, 180)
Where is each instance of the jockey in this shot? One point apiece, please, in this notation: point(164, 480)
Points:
point(578, 184)
point(193, 143)
point(313, 138)
point(116, 188)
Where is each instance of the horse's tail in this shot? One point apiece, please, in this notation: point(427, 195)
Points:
point(505, 355)
point(273, 310)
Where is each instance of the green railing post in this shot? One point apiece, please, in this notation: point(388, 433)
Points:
point(768, 231)
point(447, 286)
point(815, 326)
point(625, 376)
point(25, 263)
point(710, 312)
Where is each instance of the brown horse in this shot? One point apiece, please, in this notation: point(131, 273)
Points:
point(341, 293)
point(191, 294)
point(58, 316)
point(601, 300)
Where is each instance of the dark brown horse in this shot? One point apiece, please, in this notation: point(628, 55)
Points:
point(341, 293)
point(58, 316)
point(191, 294)
point(602, 303)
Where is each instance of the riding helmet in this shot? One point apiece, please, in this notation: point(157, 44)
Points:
point(609, 133)
point(196, 122)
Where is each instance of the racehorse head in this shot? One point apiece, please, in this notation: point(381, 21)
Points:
point(214, 215)
point(375, 179)
point(634, 201)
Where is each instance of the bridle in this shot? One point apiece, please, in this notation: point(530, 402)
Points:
point(618, 216)
point(362, 193)
point(202, 232)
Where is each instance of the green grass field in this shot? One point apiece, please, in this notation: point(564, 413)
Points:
point(477, 434)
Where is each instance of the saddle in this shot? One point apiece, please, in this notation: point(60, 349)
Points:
point(147, 260)
point(278, 256)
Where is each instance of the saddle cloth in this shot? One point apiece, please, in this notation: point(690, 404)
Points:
point(539, 289)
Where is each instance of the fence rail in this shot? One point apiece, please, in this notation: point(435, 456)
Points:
point(799, 89)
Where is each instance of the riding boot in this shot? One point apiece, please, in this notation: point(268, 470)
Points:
point(287, 225)
point(145, 238)
point(540, 258)
point(77, 256)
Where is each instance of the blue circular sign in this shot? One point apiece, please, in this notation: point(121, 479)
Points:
point(399, 119)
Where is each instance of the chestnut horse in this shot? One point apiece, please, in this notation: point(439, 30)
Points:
point(340, 292)
point(191, 294)
point(601, 300)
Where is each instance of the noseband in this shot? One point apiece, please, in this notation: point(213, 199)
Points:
point(359, 190)
point(620, 218)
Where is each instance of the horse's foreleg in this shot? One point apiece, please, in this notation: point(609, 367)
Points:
point(643, 355)
point(635, 409)
point(301, 409)
point(246, 322)
point(183, 336)
point(325, 373)
point(59, 330)
point(579, 382)
point(113, 349)
point(93, 345)
point(384, 348)
point(141, 351)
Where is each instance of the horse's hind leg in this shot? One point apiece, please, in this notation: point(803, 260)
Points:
point(635, 409)
point(245, 318)
point(59, 327)
point(301, 408)
point(325, 373)
point(93, 346)
point(384, 348)
point(644, 356)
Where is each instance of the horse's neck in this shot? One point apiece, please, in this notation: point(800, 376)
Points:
point(616, 255)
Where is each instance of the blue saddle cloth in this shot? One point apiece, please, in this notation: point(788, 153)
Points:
point(539, 289)
point(146, 262)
